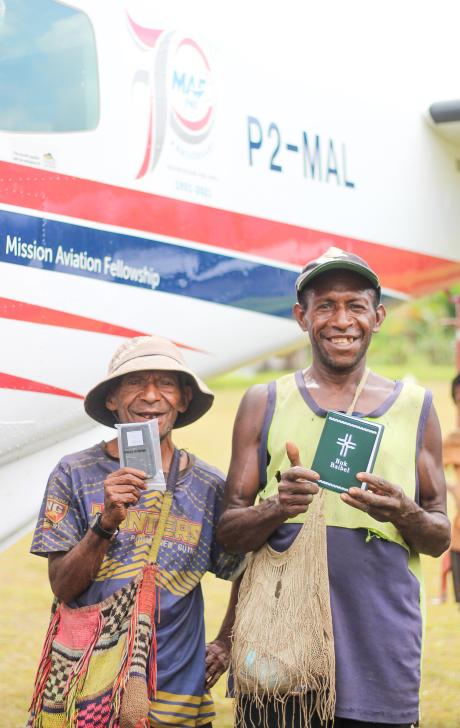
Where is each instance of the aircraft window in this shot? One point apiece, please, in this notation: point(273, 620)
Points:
point(48, 68)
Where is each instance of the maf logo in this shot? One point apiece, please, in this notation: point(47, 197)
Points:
point(180, 91)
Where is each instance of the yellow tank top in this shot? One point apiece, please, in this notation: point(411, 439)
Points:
point(298, 419)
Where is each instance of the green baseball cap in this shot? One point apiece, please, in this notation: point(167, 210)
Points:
point(336, 259)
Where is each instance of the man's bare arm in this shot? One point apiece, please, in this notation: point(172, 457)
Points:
point(425, 527)
point(428, 532)
point(244, 526)
point(219, 650)
point(71, 572)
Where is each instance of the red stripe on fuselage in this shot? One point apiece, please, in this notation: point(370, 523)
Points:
point(21, 311)
point(400, 270)
point(9, 381)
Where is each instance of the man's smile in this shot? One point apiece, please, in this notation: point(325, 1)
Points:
point(148, 415)
point(341, 341)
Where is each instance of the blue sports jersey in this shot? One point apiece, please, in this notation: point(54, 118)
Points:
point(75, 493)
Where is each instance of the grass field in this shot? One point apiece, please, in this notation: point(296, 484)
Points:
point(26, 597)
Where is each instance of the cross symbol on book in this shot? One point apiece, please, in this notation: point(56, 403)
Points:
point(346, 444)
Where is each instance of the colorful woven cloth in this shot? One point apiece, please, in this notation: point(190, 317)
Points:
point(98, 665)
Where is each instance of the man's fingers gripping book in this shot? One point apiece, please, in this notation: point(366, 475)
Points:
point(348, 445)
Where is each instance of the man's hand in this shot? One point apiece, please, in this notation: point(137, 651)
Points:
point(297, 485)
point(122, 489)
point(71, 572)
point(382, 500)
point(244, 524)
point(217, 660)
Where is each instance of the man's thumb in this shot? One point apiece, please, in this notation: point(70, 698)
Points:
point(293, 453)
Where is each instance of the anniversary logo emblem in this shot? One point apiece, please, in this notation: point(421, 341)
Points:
point(180, 91)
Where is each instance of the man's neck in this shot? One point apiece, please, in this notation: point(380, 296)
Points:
point(334, 389)
point(319, 376)
point(167, 452)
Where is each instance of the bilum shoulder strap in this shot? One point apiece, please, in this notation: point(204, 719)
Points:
point(165, 506)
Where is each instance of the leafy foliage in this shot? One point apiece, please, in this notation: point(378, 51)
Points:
point(419, 328)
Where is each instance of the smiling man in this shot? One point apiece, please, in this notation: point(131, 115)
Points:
point(372, 539)
point(97, 525)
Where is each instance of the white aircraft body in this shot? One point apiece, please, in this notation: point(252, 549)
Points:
point(167, 167)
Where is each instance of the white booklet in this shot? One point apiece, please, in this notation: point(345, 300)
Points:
point(139, 447)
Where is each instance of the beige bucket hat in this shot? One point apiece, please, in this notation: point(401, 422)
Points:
point(147, 353)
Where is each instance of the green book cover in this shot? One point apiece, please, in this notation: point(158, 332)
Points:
point(348, 445)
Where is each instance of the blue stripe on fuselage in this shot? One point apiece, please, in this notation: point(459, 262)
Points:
point(119, 258)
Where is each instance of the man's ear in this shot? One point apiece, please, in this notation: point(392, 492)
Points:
point(187, 396)
point(299, 315)
point(110, 402)
point(380, 314)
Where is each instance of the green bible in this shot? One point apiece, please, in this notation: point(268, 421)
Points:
point(348, 445)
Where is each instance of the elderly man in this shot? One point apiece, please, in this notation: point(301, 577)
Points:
point(99, 526)
point(372, 538)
